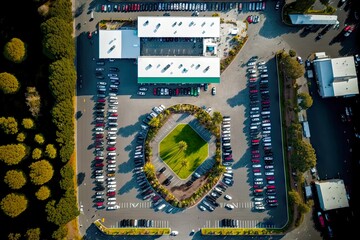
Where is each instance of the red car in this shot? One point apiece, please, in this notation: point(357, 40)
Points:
point(100, 124)
point(255, 160)
point(99, 165)
point(270, 187)
point(111, 148)
point(256, 170)
point(249, 19)
point(255, 151)
point(110, 194)
point(257, 187)
point(99, 135)
point(321, 219)
point(99, 203)
point(256, 155)
point(114, 114)
point(101, 100)
point(270, 177)
point(155, 91)
point(253, 79)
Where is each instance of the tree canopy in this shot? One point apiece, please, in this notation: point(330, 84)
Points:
point(41, 172)
point(33, 234)
point(306, 100)
point(43, 193)
point(59, 46)
point(36, 153)
point(9, 125)
point(62, 79)
point(51, 151)
point(14, 204)
point(57, 26)
point(12, 154)
point(8, 83)
point(28, 123)
point(15, 50)
point(39, 138)
point(303, 157)
point(293, 69)
point(15, 179)
point(62, 9)
point(21, 137)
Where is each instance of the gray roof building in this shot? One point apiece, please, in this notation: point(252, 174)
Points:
point(332, 194)
point(311, 19)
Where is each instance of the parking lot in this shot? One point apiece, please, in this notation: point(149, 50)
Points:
point(232, 99)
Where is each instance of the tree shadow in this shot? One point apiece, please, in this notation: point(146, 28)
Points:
point(80, 178)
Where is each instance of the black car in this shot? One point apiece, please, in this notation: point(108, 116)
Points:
point(99, 200)
point(114, 69)
point(99, 188)
point(162, 170)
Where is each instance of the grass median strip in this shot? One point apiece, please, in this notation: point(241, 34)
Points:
point(131, 231)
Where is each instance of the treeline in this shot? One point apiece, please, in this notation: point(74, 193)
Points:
point(60, 208)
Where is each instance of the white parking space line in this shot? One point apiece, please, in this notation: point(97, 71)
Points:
point(135, 204)
point(238, 204)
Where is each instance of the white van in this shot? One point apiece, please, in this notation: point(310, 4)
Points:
point(112, 154)
point(266, 124)
point(91, 16)
point(265, 113)
point(112, 138)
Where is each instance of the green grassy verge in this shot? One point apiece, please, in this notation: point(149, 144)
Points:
point(196, 152)
point(131, 231)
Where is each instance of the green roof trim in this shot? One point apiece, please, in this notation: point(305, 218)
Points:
point(179, 80)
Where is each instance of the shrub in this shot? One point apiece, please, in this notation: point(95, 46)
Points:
point(39, 138)
point(292, 53)
point(12, 154)
point(28, 123)
point(33, 101)
point(33, 234)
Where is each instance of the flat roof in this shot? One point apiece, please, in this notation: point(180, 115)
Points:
point(201, 27)
point(302, 19)
point(119, 44)
point(332, 194)
point(337, 76)
point(178, 69)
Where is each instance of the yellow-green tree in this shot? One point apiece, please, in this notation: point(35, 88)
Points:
point(9, 83)
point(14, 236)
point(51, 151)
point(15, 50)
point(33, 234)
point(39, 138)
point(13, 153)
point(41, 172)
point(14, 204)
point(43, 193)
point(9, 125)
point(21, 137)
point(28, 123)
point(15, 179)
point(37, 153)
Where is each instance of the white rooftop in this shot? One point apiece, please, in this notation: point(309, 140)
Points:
point(118, 44)
point(336, 77)
point(332, 194)
point(178, 27)
point(301, 19)
point(188, 69)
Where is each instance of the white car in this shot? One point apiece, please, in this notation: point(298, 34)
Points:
point(227, 197)
point(112, 203)
point(113, 207)
point(174, 233)
point(229, 206)
point(111, 186)
point(202, 208)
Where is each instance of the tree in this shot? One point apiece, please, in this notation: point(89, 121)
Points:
point(67, 174)
point(43, 193)
point(154, 122)
point(8, 83)
point(9, 125)
point(15, 50)
point(292, 53)
point(15, 179)
point(28, 123)
point(184, 163)
point(51, 151)
point(306, 100)
point(41, 172)
point(33, 101)
point(303, 5)
point(21, 137)
point(60, 233)
point(303, 208)
point(325, 2)
point(292, 68)
point(33, 234)
point(217, 117)
point(14, 204)
point(12, 154)
point(62, 76)
point(294, 197)
point(14, 236)
point(62, 9)
point(303, 156)
point(59, 46)
point(39, 138)
point(37, 153)
point(57, 26)
point(182, 145)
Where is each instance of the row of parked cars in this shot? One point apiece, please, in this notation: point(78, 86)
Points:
point(106, 128)
point(260, 132)
point(136, 223)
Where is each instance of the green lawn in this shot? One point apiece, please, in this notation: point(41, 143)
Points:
point(196, 152)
